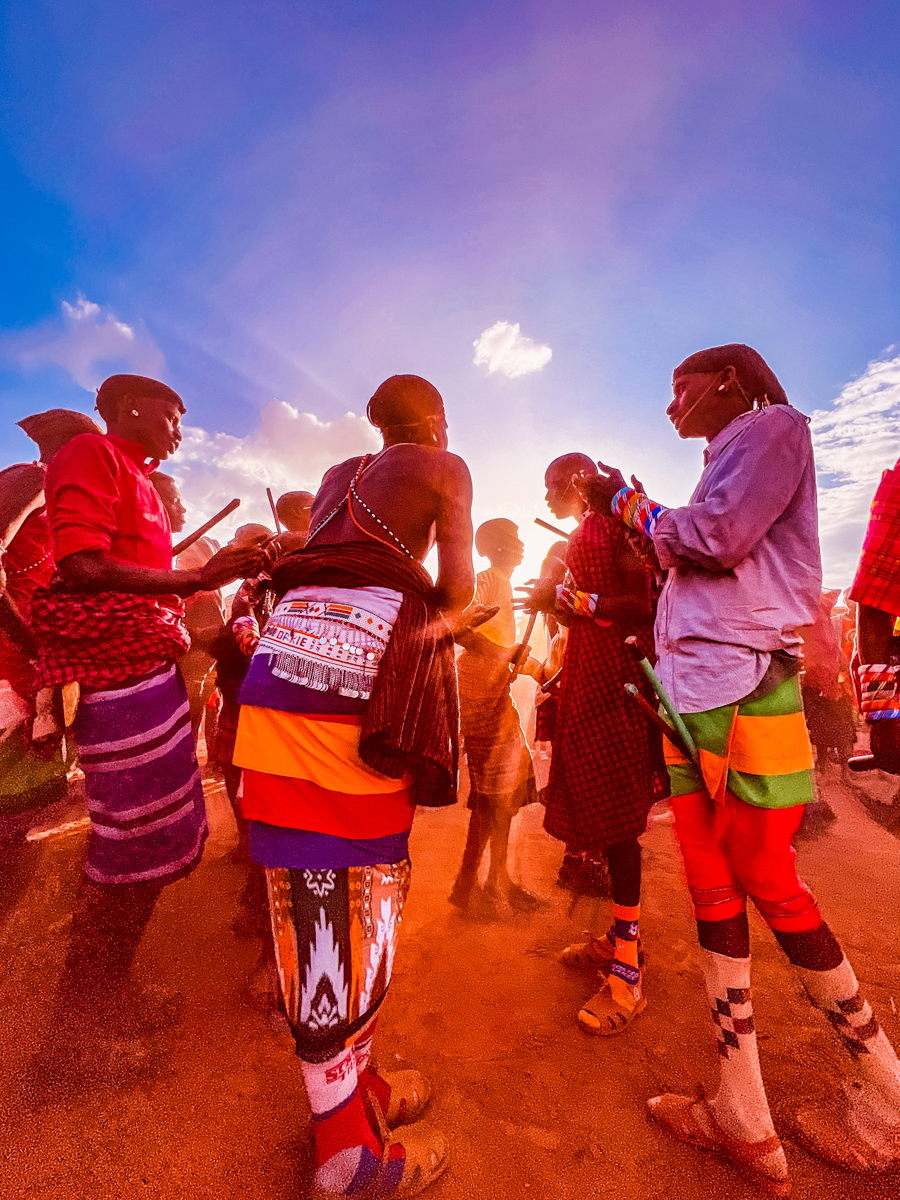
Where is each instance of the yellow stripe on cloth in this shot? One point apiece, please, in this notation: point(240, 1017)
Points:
point(775, 745)
point(322, 751)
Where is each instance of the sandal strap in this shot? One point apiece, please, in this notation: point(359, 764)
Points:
point(747, 1151)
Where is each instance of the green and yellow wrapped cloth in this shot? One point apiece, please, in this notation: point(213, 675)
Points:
point(757, 749)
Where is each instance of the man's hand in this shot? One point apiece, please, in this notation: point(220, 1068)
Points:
point(611, 480)
point(541, 596)
point(230, 563)
point(884, 740)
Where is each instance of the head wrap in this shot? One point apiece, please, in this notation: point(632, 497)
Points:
point(495, 533)
point(404, 400)
point(754, 374)
point(113, 391)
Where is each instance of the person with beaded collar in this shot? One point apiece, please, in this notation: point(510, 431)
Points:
point(349, 719)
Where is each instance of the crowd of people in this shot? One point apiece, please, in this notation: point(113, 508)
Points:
point(338, 686)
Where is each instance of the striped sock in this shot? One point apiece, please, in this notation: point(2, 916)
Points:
point(347, 1152)
point(625, 930)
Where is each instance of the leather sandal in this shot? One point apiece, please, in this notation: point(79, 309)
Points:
point(410, 1093)
point(426, 1158)
point(603, 1015)
point(596, 953)
point(826, 1133)
point(678, 1115)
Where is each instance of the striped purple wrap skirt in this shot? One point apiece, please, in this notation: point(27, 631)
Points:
point(145, 798)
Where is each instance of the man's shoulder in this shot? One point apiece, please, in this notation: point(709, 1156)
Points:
point(83, 450)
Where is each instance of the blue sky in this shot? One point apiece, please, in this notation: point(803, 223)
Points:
point(276, 205)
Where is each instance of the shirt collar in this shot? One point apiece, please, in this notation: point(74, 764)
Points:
point(728, 434)
point(133, 450)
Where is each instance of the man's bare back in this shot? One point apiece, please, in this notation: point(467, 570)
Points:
point(422, 494)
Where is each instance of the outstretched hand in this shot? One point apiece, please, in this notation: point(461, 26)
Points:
point(232, 562)
point(611, 480)
point(541, 596)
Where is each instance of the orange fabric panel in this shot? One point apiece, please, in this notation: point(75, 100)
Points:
point(322, 750)
point(770, 745)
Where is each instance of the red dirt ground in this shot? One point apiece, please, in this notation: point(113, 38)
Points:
point(531, 1107)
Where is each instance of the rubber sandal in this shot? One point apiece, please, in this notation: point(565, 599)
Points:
point(826, 1133)
point(410, 1093)
point(595, 953)
point(604, 1016)
point(677, 1115)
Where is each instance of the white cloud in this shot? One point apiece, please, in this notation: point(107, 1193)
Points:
point(89, 342)
point(503, 348)
point(855, 440)
point(290, 451)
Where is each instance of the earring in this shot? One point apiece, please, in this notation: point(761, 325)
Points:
point(721, 389)
point(135, 413)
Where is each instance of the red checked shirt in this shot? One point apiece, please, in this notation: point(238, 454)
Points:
point(99, 498)
point(877, 582)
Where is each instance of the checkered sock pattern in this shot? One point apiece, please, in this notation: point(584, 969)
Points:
point(740, 1105)
point(836, 994)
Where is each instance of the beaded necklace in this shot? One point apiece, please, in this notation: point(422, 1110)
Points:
point(352, 492)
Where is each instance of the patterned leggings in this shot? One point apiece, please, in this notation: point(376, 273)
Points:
point(335, 934)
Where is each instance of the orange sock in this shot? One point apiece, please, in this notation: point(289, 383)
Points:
point(625, 923)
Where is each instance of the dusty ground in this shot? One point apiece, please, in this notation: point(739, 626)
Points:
point(531, 1106)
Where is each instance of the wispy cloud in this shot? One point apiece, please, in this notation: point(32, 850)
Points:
point(290, 451)
point(503, 348)
point(89, 342)
point(856, 439)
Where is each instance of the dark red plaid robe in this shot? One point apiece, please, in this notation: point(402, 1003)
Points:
point(607, 767)
point(877, 582)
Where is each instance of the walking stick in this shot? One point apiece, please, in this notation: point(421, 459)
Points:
point(553, 529)
point(274, 510)
point(655, 719)
point(689, 746)
point(195, 537)
point(522, 654)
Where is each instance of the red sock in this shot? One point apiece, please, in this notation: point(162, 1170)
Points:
point(378, 1087)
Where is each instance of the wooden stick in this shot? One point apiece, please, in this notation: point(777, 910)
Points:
point(274, 510)
point(553, 529)
point(655, 719)
point(521, 657)
point(672, 712)
point(195, 537)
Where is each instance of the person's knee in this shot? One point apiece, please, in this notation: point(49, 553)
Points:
point(717, 903)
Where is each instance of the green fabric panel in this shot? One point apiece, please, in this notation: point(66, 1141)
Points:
point(780, 702)
point(710, 730)
point(772, 791)
point(684, 778)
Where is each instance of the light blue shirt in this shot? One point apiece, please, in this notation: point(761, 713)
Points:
point(743, 558)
